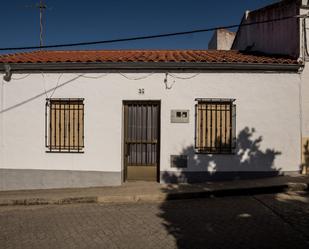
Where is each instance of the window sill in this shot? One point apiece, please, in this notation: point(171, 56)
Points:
point(74, 152)
point(233, 152)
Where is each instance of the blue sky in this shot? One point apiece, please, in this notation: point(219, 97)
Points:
point(89, 20)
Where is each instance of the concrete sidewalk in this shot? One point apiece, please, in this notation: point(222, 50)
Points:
point(150, 191)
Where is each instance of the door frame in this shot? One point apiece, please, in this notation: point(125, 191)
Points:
point(124, 167)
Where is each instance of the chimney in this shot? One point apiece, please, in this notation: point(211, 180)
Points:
point(222, 39)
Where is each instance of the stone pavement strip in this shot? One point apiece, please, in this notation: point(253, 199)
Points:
point(150, 191)
point(240, 222)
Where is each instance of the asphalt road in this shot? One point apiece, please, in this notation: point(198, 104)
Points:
point(263, 221)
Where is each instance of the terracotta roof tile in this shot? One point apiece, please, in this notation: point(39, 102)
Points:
point(206, 56)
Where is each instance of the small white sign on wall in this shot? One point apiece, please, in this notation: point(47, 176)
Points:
point(179, 116)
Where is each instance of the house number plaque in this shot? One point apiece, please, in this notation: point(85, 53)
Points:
point(141, 91)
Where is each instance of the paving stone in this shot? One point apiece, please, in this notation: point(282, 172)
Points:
point(292, 207)
point(230, 222)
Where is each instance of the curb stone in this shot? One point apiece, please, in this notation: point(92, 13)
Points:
point(159, 197)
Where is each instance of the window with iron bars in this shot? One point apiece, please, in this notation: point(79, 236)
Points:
point(64, 125)
point(215, 126)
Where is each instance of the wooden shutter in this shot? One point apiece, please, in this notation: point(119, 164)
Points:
point(66, 125)
point(215, 126)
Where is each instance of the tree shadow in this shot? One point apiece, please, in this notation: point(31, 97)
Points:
point(230, 222)
point(236, 223)
point(246, 161)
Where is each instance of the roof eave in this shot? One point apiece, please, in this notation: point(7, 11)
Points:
point(146, 66)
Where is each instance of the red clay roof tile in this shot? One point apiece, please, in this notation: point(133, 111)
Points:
point(116, 56)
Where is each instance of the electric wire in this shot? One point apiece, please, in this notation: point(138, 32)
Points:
point(92, 77)
point(54, 89)
point(44, 84)
point(184, 78)
point(150, 36)
point(168, 87)
point(41, 26)
point(21, 78)
point(138, 78)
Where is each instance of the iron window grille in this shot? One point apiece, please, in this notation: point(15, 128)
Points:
point(215, 126)
point(64, 125)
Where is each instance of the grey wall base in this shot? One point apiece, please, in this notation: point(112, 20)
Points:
point(17, 179)
point(196, 177)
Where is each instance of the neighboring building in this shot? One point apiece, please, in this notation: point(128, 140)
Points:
point(278, 37)
point(289, 37)
point(222, 39)
point(95, 118)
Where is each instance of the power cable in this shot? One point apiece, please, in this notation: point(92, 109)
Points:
point(21, 78)
point(44, 84)
point(151, 36)
point(183, 78)
point(92, 77)
point(54, 89)
point(138, 78)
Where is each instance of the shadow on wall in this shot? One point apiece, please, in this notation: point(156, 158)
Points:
point(40, 95)
point(247, 161)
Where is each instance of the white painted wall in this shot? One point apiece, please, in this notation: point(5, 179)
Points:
point(268, 102)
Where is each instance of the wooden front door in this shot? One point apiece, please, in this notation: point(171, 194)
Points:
point(141, 140)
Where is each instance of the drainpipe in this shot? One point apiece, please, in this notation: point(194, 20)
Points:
point(303, 57)
point(300, 102)
point(306, 52)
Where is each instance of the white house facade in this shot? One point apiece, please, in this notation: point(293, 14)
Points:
point(100, 118)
